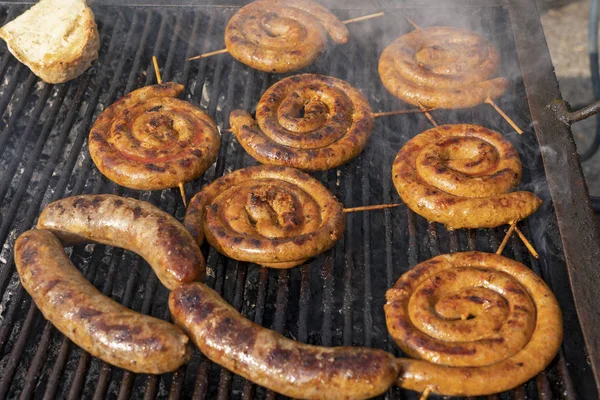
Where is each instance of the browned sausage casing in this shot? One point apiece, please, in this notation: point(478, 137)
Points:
point(441, 67)
point(335, 125)
point(149, 140)
point(281, 35)
point(481, 322)
point(269, 359)
point(461, 175)
point(99, 325)
point(131, 224)
point(274, 216)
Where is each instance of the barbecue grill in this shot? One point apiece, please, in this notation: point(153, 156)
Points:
point(335, 299)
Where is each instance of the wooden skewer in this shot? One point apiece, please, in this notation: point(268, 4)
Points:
point(385, 114)
point(506, 117)
point(182, 191)
point(370, 208)
point(408, 111)
point(159, 79)
point(212, 53)
point(410, 21)
point(156, 70)
point(513, 226)
point(425, 394)
point(527, 243)
point(426, 112)
point(349, 21)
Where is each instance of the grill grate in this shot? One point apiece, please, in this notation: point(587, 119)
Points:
point(335, 299)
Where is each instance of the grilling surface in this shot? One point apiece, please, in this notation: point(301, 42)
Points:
point(335, 299)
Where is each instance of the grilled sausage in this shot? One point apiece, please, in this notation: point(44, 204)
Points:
point(441, 67)
point(275, 216)
point(281, 35)
point(334, 128)
point(460, 175)
point(481, 323)
point(149, 140)
point(99, 325)
point(269, 359)
point(132, 224)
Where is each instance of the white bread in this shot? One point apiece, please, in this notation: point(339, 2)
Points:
point(57, 39)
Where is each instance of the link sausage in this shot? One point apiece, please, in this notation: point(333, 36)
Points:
point(99, 325)
point(131, 224)
point(269, 359)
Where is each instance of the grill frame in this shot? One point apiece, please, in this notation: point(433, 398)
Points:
point(572, 211)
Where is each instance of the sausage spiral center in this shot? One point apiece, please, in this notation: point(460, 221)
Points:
point(461, 175)
point(150, 140)
point(441, 67)
point(483, 324)
point(275, 216)
point(281, 35)
point(311, 122)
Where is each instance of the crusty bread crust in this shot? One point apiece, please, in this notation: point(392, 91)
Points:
point(73, 63)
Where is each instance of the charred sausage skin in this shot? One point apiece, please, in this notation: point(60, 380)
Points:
point(441, 67)
point(481, 323)
point(460, 175)
point(335, 126)
point(275, 216)
point(131, 224)
point(150, 140)
point(269, 359)
point(94, 322)
point(281, 35)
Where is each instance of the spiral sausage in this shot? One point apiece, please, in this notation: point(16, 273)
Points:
point(149, 140)
point(265, 357)
point(310, 122)
point(441, 67)
point(99, 325)
point(480, 322)
point(281, 35)
point(274, 216)
point(460, 175)
point(132, 224)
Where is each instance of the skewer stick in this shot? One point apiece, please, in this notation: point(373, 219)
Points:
point(506, 117)
point(408, 111)
point(425, 394)
point(527, 243)
point(349, 21)
point(182, 191)
point(410, 21)
point(426, 112)
point(370, 208)
point(212, 53)
point(156, 70)
point(513, 226)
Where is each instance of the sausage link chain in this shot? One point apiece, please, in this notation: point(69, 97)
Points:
point(311, 122)
point(480, 322)
point(441, 67)
point(281, 35)
point(460, 175)
point(275, 216)
point(150, 140)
